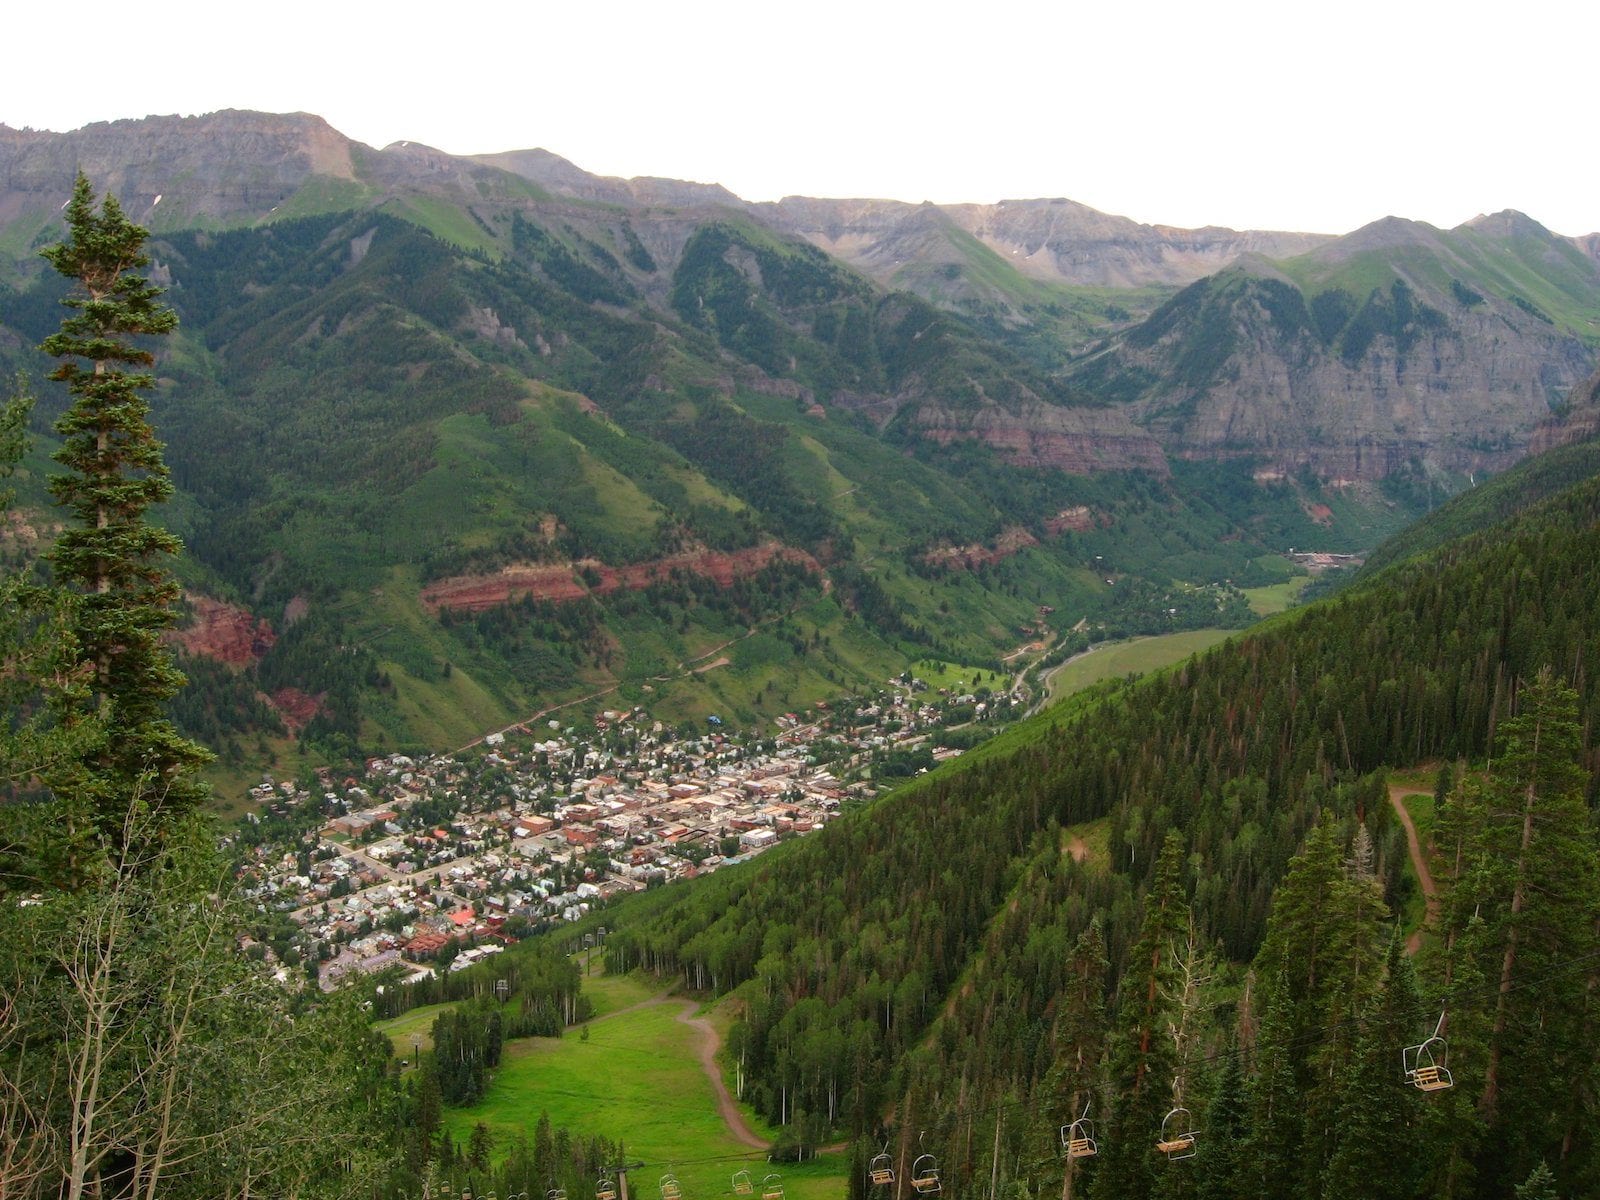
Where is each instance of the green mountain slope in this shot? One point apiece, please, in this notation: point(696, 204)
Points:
point(916, 956)
point(427, 468)
point(462, 439)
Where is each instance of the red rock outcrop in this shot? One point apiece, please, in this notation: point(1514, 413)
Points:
point(224, 632)
point(561, 582)
point(295, 707)
point(973, 556)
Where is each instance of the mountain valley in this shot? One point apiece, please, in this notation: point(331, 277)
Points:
point(402, 377)
point(643, 637)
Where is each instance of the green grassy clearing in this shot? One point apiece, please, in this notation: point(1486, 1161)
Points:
point(635, 1077)
point(399, 1030)
point(1096, 839)
point(1132, 657)
point(1276, 597)
point(610, 993)
point(955, 676)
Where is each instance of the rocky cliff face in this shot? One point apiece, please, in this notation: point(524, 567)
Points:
point(1056, 240)
point(1082, 441)
point(174, 171)
point(1399, 342)
point(1463, 398)
point(1578, 420)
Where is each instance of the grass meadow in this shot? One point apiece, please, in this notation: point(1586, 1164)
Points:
point(633, 1073)
point(1131, 657)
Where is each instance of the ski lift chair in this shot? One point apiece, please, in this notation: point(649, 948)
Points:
point(1424, 1063)
point(880, 1171)
point(1177, 1134)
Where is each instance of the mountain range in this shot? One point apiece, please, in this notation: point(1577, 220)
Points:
point(439, 422)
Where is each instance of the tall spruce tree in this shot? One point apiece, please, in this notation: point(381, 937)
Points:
point(1377, 1150)
point(113, 556)
point(1143, 1065)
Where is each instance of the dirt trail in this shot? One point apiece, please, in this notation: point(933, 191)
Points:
point(1419, 863)
point(707, 1053)
point(709, 1041)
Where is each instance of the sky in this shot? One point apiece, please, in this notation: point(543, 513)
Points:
point(1288, 114)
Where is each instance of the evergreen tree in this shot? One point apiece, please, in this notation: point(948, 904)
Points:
point(1143, 1067)
point(1535, 885)
point(1221, 1159)
point(1540, 1184)
point(113, 557)
point(1079, 1037)
point(40, 843)
point(1277, 1163)
point(1376, 1145)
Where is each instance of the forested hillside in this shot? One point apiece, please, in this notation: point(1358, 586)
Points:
point(917, 963)
point(457, 440)
point(420, 474)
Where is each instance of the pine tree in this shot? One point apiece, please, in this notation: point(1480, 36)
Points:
point(1078, 1039)
point(1376, 1143)
point(1277, 1162)
point(1536, 883)
point(113, 556)
point(1222, 1159)
point(45, 840)
point(1143, 1066)
point(1540, 1184)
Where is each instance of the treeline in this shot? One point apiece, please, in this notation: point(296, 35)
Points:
point(847, 947)
point(550, 1161)
point(537, 988)
point(467, 1040)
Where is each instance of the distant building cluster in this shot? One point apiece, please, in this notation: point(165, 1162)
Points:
point(437, 864)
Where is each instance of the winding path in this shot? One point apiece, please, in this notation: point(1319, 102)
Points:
point(1419, 864)
point(706, 1051)
point(709, 1042)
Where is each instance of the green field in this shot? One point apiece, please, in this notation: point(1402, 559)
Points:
point(637, 1077)
point(1276, 597)
point(416, 1023)
point(1129, 658)
point(937, 673)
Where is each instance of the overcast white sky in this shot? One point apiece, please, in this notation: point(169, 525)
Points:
point(1273, 114)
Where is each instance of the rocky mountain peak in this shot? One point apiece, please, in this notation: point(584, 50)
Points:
point(1386, 233)
point(563, 178)
point(1507, 222)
